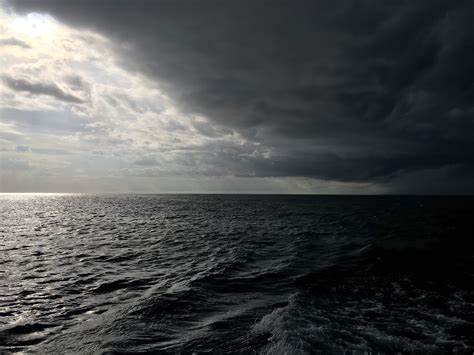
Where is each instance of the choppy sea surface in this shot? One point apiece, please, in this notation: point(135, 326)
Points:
point(236, 273)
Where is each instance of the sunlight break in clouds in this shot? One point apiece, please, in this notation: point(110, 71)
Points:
point(34, 25)
point(70, 114)
point(74, 120)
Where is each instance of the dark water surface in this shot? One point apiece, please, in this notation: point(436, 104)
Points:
point(262, 274)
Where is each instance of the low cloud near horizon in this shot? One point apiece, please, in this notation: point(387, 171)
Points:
point(237, 96)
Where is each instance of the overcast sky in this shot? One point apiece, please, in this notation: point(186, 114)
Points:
point(237, 96)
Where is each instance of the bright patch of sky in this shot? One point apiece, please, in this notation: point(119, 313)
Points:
point(72, 119)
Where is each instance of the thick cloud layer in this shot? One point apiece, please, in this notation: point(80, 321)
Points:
point(363, 91)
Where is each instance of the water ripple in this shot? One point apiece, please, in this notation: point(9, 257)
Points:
point(148, 273)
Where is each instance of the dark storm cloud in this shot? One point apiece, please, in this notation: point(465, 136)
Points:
point(24, 83)
point(390, 84)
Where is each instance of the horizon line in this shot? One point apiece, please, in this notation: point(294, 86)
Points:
point(239, 193)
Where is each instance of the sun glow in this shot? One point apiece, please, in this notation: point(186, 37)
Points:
point(33, 25)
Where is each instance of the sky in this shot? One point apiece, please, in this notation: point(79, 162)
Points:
point(249, 96)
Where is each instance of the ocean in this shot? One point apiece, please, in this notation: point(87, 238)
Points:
point(236, 274)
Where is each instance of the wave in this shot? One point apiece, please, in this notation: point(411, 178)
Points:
point(237, 274)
